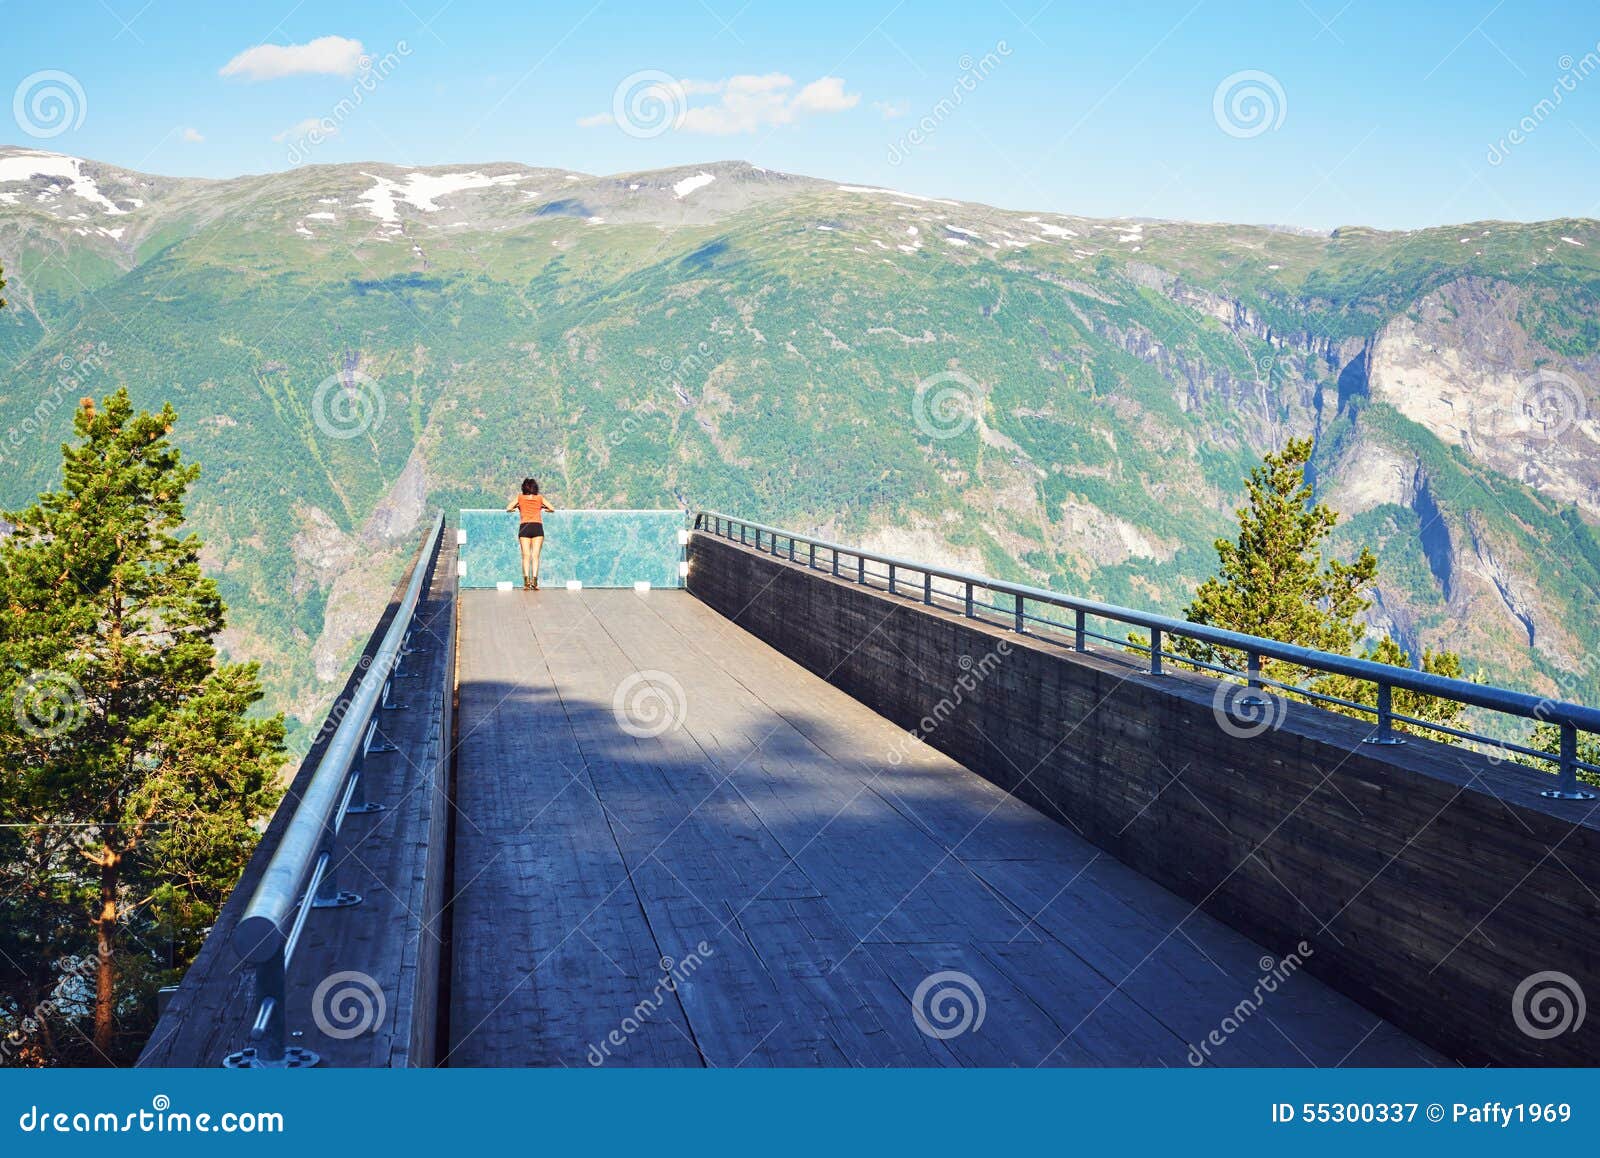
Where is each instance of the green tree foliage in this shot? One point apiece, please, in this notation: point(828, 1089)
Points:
point(1276, 582)
point(134, 772)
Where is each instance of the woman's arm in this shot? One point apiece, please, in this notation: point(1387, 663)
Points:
point(548, 505)
point(512, 505)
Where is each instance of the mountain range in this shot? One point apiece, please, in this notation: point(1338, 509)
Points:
point(1065, 401)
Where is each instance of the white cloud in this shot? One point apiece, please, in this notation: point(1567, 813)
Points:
point(193, 134)
point(334, 55)
point(321, 126)
point(826, 95)
point(892, 109)
point(748, 102)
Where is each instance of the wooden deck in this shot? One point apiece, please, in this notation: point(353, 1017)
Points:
point(762, 885)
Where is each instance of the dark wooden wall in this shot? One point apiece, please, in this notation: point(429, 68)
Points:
point(1428, 882)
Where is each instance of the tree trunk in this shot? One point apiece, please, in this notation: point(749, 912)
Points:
point(105, 997)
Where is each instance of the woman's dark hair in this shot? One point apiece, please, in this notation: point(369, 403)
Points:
point(530, 486)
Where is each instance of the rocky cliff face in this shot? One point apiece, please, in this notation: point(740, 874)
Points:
point(1460, 364)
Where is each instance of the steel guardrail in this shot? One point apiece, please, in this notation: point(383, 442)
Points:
point(301, 876)
point(1569, 718)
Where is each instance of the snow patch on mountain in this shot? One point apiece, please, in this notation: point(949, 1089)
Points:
point(895, 193)
point(26, 166)
point(689, 184)
point(421, 190)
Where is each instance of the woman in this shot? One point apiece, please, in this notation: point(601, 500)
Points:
point(530, 506)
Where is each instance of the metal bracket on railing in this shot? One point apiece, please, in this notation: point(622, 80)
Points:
point(328, 894)
point(368, 748)
point(1155, 652)
point(358, 804)
point(1385, 733)
point(272, 1053)
point(387, 703)
point(1252, 671)
point(1568, 788)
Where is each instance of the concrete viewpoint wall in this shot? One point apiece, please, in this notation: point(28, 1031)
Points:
point(1431, 883)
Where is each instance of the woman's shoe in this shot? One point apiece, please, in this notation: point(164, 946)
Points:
point(527, 584)
point(534, 586)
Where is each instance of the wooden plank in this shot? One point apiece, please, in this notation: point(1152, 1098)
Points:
point(769, 888)
point(549, 941)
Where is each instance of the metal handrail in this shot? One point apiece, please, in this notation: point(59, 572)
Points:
point(300, 875)
point(1567, 716)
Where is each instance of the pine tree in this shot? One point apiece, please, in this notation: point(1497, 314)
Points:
point(1275, 581)
point(134, 767)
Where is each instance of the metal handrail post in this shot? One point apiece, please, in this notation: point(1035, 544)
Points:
point(1386, 733)
point(1567, 788)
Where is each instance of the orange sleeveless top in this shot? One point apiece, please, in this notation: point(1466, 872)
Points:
point(531, 508)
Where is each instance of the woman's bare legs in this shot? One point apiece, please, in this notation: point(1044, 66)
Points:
point(533, 565)
point(528, 560)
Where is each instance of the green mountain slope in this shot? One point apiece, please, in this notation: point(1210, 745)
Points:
point(349, 346)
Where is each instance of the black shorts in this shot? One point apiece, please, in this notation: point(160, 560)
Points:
point(531, 531)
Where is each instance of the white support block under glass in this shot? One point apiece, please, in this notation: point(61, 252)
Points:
point(683, 538)
point(683, 570)
point(574, 584)
point(461, 536)
point(503, 585)
point(461, 569)
point(641, 586)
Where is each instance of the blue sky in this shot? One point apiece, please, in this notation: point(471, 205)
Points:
point(1397, 114)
